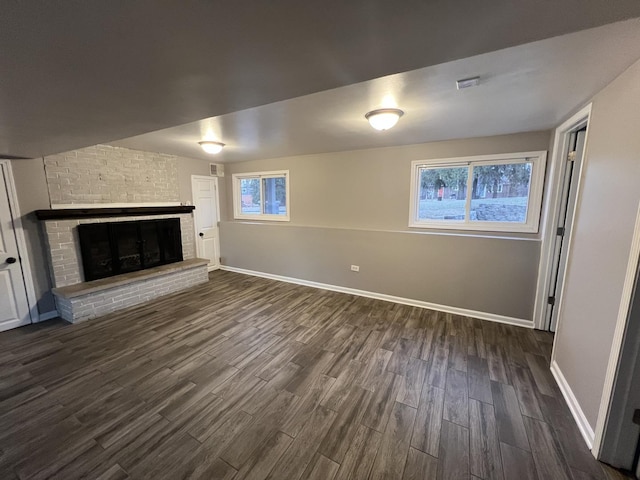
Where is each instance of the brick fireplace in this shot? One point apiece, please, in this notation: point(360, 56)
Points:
point(77, 299)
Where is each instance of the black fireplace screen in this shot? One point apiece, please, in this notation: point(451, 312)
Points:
point(121, 247)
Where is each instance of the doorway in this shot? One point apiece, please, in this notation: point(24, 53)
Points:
point(562, 191)
point(14, 302)
point(573, 156)
point(206, 215)
point(620, 446)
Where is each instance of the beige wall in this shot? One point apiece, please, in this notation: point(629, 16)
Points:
point(369, 188)
point(33, 194)
point(600, 246)
point(193, 166)
point(353, 208)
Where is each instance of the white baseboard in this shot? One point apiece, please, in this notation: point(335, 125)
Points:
point(574, 406)
point(47, 316)
point(387, 298)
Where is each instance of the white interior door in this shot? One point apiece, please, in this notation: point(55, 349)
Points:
point(14, 306)
point(565, 218)
point(207, 214)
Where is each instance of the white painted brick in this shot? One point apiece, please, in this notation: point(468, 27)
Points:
point(106, 174)
point(103, 173)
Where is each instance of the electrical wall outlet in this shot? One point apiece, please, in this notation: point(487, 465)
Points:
point(355, 268)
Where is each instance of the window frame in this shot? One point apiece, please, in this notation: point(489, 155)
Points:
point(237, 196)
point(538, 160)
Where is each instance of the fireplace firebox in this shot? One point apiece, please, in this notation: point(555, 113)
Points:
point(122, 247)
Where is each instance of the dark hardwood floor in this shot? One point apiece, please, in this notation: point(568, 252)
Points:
point(247, 378)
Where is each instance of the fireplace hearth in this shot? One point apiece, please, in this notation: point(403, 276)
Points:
point(115, 248)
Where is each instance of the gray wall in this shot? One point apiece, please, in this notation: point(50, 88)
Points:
point(353, 208)
point(601, 241)
point(31, 186)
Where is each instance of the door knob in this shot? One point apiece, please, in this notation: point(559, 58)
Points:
point(11, 260)
point(201, 234)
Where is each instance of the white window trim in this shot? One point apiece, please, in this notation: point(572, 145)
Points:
point(237, 196)
point(538, 160)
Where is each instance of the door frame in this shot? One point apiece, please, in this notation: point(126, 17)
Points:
point(25, 261)
point(551, 210)
point(193, 201)
point(618, 445)
point(617, 344)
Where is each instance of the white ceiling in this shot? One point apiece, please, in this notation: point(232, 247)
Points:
point(524, 88)
point(79, 73)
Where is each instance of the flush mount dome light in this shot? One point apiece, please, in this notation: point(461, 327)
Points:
point(211, 147)
point(384, 118)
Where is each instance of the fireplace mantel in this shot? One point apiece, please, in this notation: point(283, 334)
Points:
point(75, 213)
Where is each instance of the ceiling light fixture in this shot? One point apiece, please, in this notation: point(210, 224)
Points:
point(211, 147)
point(384, 118)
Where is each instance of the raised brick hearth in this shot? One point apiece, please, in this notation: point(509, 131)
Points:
point(87, 300)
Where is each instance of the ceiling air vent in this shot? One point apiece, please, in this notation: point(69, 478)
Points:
point(468, 82)
point(216, 170)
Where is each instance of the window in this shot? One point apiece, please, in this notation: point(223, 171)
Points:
point(500, 193)
point(261, 196)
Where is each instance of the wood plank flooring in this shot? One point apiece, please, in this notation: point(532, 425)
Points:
point(247, 378)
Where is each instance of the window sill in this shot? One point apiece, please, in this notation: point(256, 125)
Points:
point(263, 218)
point(487, 227)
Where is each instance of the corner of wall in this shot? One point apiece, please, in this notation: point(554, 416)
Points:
point(574, 407)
